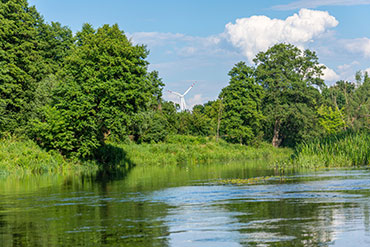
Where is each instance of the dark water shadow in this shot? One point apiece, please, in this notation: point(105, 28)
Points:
point(114, 164)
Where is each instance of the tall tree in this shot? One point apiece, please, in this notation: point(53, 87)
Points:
point(105, 83)
point(21, 61)
point(290, 79)
point(241, 101)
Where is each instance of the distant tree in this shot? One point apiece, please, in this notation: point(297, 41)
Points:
point(149, 126)
point(214, 111)
point(169, 111)
point(352, 99)
point(241, 101)
point(358, 108)
point(290, 79)
point(200, 123)
point(331, 120)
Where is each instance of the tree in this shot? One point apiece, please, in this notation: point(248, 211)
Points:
point(352, 99)
point(104, 84)
point(241, 101)
point(290, 78)
point(331, 120)
point(359, 104)
point(214, 111)
point(21, 61)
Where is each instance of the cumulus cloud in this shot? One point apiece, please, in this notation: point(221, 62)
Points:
point(318, 3)
point(258, 33)
point(361, 46)
point(330, 75)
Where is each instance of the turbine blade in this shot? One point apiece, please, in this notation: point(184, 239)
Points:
point(176, 93)
point(187, 91)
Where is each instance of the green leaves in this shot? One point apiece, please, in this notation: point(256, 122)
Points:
point(105, 84)
point(290, 79)
point(241, 101)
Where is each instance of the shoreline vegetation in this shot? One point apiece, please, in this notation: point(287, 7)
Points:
point(85, 101)
point(23, 156)
point(344, 150)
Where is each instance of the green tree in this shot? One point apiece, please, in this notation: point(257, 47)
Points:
point(214, 111)
point(169, 111)
point(290, 78)
point(56, 42)
point(331, 120)
point(104, 84)
point(21, 61)
point(358, 108)
point(149, 126)
point(241, 101)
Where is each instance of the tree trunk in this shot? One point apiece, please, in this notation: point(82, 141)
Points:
point(276, 140)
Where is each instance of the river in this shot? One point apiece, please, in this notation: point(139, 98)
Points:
point(187, 206)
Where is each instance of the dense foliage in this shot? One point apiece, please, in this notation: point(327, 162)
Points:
point(242, 101)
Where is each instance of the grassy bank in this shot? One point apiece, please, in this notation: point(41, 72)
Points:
point(198, 150)
point(24, 156)
point(347, 149)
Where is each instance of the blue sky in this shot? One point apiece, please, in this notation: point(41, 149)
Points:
point(202, 40)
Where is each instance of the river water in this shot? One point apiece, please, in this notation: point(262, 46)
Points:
point(187, 206)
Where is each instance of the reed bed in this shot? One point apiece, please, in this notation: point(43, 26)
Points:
point(347, 149)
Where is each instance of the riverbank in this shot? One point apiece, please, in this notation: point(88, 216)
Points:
point(346, 149)
point(23, 156)
point(26, 157)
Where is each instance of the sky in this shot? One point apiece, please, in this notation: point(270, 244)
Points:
point(201, 40)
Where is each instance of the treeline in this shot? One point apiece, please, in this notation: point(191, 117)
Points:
point(74, 93)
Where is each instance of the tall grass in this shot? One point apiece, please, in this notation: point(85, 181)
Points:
point(23, 156)
point(198, 150)
point(346, 149)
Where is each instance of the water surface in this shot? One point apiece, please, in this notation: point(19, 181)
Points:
point(187, 206)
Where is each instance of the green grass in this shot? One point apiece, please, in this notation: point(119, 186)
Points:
point(198, 150)
point(23, 156)
point(347, 149)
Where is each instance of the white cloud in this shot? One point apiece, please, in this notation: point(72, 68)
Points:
point(258, 33)
point(345, 67)
point(330, 75)
point(361, 45)
point(317, 3)
point(155, 38)
point(195, 100)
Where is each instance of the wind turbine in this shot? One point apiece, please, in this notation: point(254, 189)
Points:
point(182, 99)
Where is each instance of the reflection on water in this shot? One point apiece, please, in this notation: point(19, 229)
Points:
point(185, 206)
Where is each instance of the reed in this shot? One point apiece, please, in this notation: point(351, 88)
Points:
point(347, 149)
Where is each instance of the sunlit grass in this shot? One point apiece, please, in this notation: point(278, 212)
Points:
point(23, 156)
point(348, 149)
point(199, 152)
